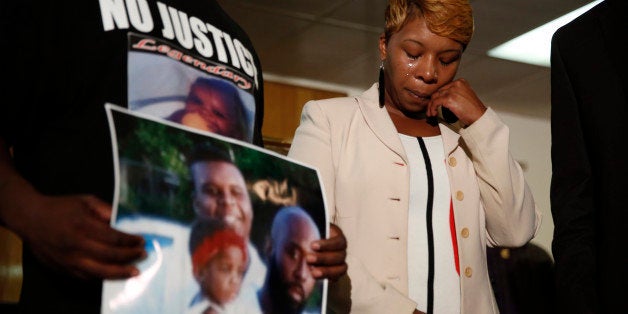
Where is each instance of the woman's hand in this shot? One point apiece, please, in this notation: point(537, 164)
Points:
point(328, 261)
point(460, 99)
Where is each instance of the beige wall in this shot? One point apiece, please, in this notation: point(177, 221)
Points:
point(10, 266)
point(282, 111)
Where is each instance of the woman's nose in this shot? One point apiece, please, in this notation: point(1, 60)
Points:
point(425, 70)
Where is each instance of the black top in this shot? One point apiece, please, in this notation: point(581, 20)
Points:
point(63, 60)
point(589, 98)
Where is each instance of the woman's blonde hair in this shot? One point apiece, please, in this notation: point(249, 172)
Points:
point(447, 18)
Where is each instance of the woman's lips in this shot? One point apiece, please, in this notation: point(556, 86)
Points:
point(417, 94)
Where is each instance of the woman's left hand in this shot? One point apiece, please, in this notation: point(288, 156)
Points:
point(328, 259)
point(460, 99)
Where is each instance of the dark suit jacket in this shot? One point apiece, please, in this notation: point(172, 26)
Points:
point(589, 188)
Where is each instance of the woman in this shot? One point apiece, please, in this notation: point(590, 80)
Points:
point(417, 198)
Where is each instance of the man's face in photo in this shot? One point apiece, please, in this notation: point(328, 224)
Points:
point(290, 266)
point(220, 192)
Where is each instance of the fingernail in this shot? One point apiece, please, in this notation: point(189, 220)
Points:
point(317, 273)
point(311, 258)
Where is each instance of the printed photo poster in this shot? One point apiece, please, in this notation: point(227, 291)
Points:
point(170, 82)
point(226, 223)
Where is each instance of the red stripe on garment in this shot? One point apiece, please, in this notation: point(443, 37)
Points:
point(454, 237)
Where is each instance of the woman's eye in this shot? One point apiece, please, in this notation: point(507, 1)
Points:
point(449, 61)
point(412, 56)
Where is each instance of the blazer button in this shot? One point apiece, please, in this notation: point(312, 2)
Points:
point(504, 253)
point(468, 272)
point(452, 161)
point(464, 232)
point(459, 195)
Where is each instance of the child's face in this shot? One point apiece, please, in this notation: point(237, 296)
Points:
point(222, 276)
point(212, 109)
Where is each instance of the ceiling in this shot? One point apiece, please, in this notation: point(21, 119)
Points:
point(335, 42)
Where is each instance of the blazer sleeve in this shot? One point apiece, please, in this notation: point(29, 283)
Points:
point(313, 144)
point(571, 195)
point(512, 218)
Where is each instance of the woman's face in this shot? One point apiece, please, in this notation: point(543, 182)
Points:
point(417, 62)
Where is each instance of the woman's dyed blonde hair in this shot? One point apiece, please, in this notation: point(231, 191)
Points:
point(447, 18)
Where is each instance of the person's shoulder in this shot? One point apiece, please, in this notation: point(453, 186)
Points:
point(331, 102)
point(344, 104)
point(584, 21)
point(334, 111)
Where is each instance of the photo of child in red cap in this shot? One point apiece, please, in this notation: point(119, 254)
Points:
point(219, 261)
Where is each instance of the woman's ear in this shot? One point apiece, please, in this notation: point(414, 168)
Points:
point(382, 47)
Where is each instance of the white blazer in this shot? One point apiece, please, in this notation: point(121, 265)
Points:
point(356, 148)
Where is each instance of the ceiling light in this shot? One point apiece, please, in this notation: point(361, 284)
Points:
point(534, 46)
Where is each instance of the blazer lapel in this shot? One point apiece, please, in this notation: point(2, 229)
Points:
point(382, 126)
point(379, 122)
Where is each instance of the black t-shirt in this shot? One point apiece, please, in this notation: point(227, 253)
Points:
point(62, 61)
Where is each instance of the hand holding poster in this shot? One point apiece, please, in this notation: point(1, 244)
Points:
point(227, 225)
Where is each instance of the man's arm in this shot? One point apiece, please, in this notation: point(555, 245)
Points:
point(69, 233)
point(571, 196)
